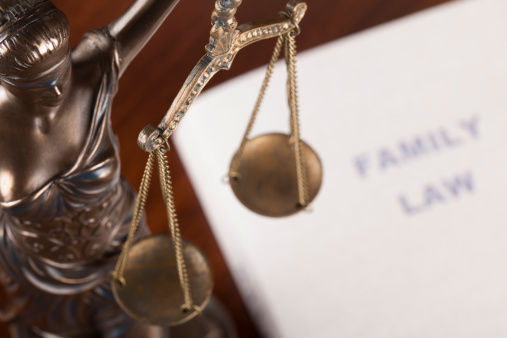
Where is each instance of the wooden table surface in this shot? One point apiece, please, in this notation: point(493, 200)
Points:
point(154, 78)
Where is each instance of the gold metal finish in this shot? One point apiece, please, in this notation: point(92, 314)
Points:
point(265, 171)
point(152, 292)
point(269, 71)
point(267, 176)
point(138, 287)
point(167, 193)
point(290, 56)
point(119, 269)
point(226, 40)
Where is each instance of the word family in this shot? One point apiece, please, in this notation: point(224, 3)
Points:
point(420, 146)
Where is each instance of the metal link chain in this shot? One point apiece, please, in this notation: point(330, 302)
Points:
point(119, 269)
point(233, 174)
point(167, 193)
point(290, 53)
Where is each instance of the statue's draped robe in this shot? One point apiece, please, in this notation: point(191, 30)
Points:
point(59, 243)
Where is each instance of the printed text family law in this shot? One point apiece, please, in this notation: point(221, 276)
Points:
point(421, 146)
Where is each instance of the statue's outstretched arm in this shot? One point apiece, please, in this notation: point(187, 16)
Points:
point(136, 25)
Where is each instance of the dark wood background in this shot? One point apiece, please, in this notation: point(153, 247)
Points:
point(153, 79)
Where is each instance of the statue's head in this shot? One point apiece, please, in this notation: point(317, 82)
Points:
point(34, 50)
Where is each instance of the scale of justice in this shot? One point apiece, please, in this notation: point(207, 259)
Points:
point(164, 279)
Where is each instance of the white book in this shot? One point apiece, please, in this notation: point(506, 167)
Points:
point(409, 233)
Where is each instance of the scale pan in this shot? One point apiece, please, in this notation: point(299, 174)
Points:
point(267, 181)
point(152, 292)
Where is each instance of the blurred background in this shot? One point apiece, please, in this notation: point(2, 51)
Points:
point(156, 75)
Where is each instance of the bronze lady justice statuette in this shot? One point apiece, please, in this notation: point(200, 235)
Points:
point(64, 209)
